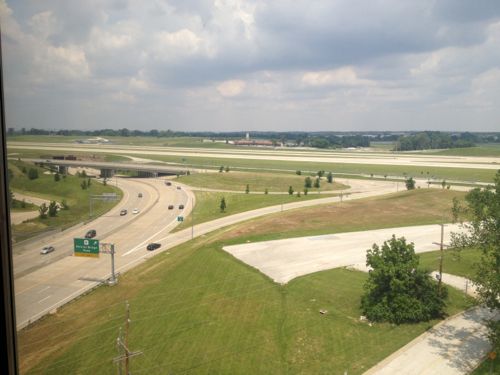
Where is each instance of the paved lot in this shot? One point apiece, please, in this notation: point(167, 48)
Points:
point(284, 260)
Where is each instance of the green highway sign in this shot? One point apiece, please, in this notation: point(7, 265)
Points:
point(180, 218)
point(84, 247)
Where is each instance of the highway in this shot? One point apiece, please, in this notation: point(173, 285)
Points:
point(43, 282)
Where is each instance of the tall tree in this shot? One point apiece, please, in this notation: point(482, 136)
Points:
point(222, 204)
point(482, 230)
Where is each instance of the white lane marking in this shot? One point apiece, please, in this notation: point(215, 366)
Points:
point(44, 289)
point(43, 299)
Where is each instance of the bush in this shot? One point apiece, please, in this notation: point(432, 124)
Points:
point(397, 291)
point(410, 183)
point(33, 173)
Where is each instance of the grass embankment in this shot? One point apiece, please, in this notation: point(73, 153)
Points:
point(481, 150)
point(197, 310)
point(67, 189)
point(257, 182)
point(416, 207)
point(208, 204)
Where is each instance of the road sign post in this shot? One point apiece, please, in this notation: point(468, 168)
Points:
point(109, 248)
point(85, 247)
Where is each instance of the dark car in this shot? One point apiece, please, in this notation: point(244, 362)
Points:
point(168, 183)
point(178, 188)
point(171, 207)
point(139, 195)
point(181, 206)
point(90, 234)
point(123, 212)
point(153, 246)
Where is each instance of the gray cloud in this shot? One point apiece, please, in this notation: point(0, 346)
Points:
point(282, 64)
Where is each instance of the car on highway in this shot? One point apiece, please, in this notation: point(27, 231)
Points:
point(139, 195)
point(91, 233)
point(135, 211)
point(170, 206)
point(181, 206)
point(47, 249)
point(153, 246)
point(178, 188)
point(123, 212)
point(168, 183)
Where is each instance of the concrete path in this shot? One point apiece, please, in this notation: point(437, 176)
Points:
point(19, 217)
point(284, 260)
point(30, 199)
point(453, 347)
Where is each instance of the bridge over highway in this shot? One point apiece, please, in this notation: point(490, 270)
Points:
point(108, 168)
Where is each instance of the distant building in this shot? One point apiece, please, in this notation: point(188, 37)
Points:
point(95, 140)
point(253, 142)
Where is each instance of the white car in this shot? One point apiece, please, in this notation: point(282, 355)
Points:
point(135, 211)
point(47, 249)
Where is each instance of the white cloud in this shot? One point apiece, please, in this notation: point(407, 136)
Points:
point(345, 76)
point(231, 88)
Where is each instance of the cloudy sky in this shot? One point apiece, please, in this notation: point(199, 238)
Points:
point(252, 64)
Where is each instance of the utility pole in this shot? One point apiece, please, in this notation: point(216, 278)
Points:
point(123, 345)
point(441, 256)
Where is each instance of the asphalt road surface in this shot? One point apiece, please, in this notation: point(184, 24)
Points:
point(44, 282)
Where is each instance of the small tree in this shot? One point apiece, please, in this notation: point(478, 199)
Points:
point(104, 181)
point(43, 210)
point(329, 177)
point(247, 189)
point(221, 169)
point(266, 191)
point(222, 204)
point(298, 173)
point(298, 194)
point(33, 173)
point(57, 177)
point(83, 174)
point(443, 184)
point(306, 191)
point(290, 190)
point(88, 182)
point(410, 183)
point(64, 205)
point(53, 209)
point(23, 203)
point(227, 169)
point(83, 185)
point(397, 291)
point(308, 182)
point(317, 183)
point(321, 174)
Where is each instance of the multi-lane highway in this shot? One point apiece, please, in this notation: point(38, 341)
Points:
point(44, 282)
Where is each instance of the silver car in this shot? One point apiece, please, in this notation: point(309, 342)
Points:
point(47, 249)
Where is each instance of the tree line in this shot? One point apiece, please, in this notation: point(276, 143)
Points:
point(435, 140)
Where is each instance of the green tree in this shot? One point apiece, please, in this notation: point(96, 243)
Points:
point(482, 230)
point(410, 183)
point(227, 169)
point(329, 177)
point(43, 210)
point(83, 185)
point(317, 183)
point(88, 182)
point(308, 182)
point(221, 169)
point(53, 209)
point(306, 191)
point(222, 204)
point(397, 291)
point(298, 173)
point(321, 174)
point(247, 189)
point(33, 173)
point(266, 191)
point(290, 190)
point(57, 177)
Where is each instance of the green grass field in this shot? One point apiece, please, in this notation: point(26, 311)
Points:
point(208, 204)
point(416, 207)
point(258, 182)
point(67, 189)
point(20, 206)
point(461, 263)
point(198, 310)
point(488, 367)
point(489, 149)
